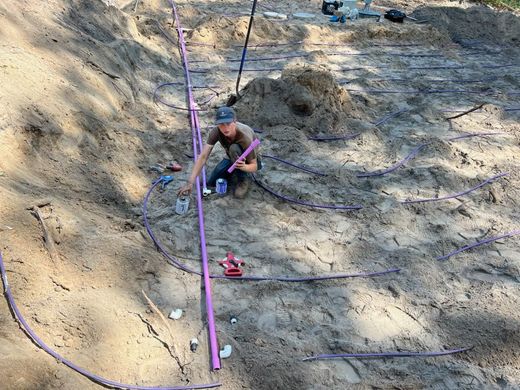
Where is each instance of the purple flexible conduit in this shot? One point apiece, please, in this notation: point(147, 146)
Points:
point(156, 98)
point(301, 167)
point(458, 193)
point(304, 203)
point(176, 263)
point(390, 116)
point(478, 243)
point(325, 138)
point(215, 361)
point(82, 371)
point(394, 167)
point(425, 91)
point(415, 152)
point(387, 354)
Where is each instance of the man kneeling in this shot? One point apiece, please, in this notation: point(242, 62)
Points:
point(235, 137)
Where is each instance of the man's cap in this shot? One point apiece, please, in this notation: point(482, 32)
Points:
point(225, 115)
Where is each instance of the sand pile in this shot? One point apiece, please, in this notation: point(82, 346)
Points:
point(305, 97)
point(476, 23)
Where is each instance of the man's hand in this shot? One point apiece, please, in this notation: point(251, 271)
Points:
point(240, 164)
point(185, 190)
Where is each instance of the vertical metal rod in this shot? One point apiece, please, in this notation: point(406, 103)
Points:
point(245, 47)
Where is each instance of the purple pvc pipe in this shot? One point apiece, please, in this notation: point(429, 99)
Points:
point(394, 167)
point(300, 167)
point(303, 203)
point(215, 361)
point(310, 278)
point(156, 98)
point(249, 149)
point(387, 354)
point(458, 193)
point(382, 91)
point(478, 243)
point(333, 137)
point(390, 116)
point(269, 58)
point(68, 363)
point(415, 152)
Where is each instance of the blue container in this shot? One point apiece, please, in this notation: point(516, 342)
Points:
point(221, 187)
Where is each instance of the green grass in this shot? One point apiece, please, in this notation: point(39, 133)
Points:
point(511, 4)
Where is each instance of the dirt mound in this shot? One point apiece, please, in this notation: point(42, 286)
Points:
point(305, 97)
point(479, 22)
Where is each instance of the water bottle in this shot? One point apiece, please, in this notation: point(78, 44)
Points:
point(221, 187)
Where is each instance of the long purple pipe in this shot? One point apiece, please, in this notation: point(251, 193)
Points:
point(478, 243)
point(68, 363)
point(215, 361)
point(300, 167)
point(325, 138)
point(387, 354)
point(249, 149)
point(304, 203)
point(425, 91)
point(458, 193)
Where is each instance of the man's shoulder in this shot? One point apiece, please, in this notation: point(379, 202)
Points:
point(213, 136)
point(245, 129)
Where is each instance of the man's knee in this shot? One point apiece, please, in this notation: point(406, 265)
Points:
point(235, 151)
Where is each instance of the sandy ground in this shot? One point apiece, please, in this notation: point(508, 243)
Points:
point(79, 130)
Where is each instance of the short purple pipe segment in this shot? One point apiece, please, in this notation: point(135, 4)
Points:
point(250, 148)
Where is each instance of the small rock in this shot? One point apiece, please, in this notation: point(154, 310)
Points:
point(175, 314)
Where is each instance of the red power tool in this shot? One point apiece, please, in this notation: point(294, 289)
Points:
point(232, 265)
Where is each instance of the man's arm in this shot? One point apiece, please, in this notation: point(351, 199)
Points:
point(250, 167)
point(197, 168)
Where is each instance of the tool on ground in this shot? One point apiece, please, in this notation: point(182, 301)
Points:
point(160, 168)
point(366, 12)
point(341, 19)
point(253, 145)
point(395, 15)
point(347, 10)
point(164, 180)
point(206, 192)
point(329, 6)
point(232, 265)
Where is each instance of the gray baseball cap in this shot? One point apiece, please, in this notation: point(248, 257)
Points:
point(225, 115)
